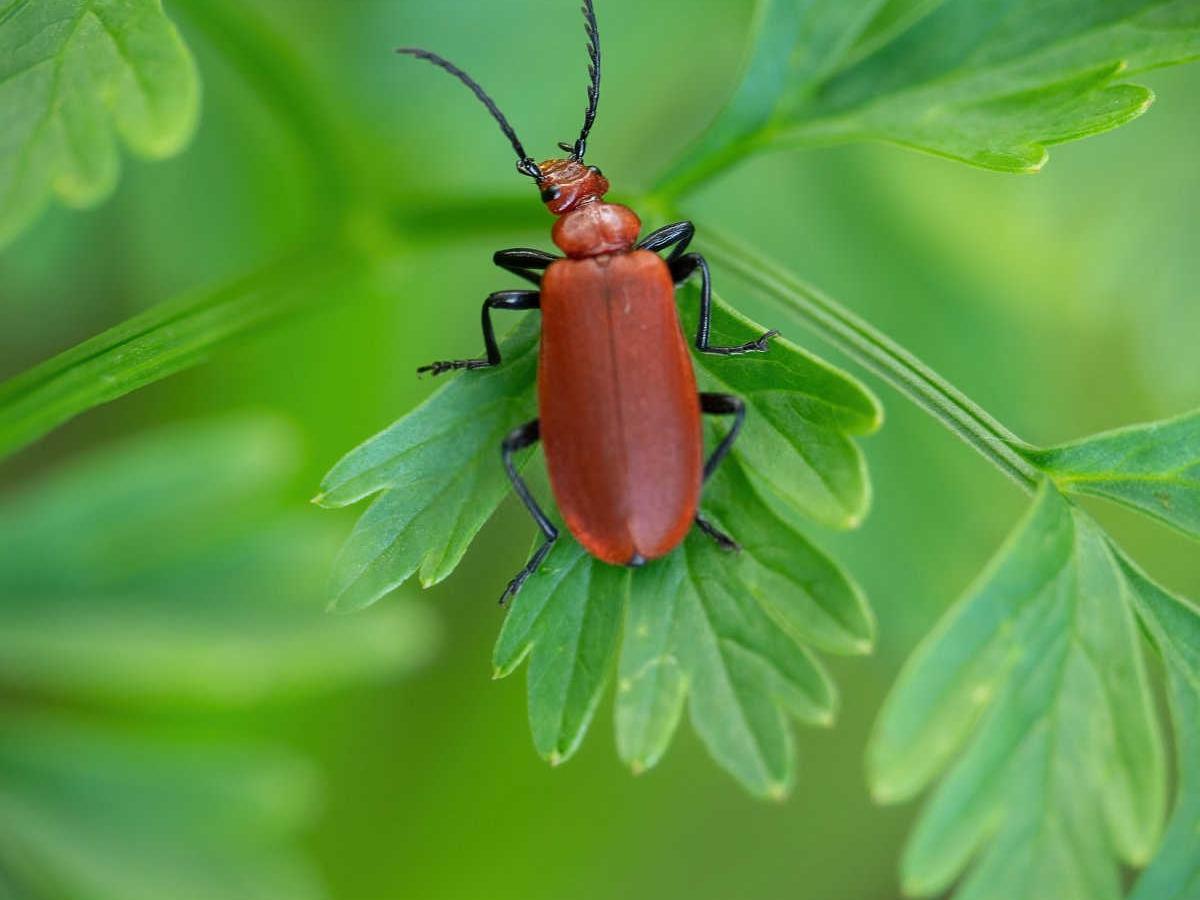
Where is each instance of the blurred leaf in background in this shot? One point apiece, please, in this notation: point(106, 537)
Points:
point(74, 74)
point(143, 591)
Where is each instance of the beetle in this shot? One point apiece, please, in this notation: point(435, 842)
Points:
point(618, 406)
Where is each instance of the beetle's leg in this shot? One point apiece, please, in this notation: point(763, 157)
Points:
point(514, 300)
point(678, 235)
point(724, 541)
point(721, 405)
point(524, 263)
point(682, 269)
point(518, 439)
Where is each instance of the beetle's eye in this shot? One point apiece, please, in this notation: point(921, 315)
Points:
point(550, 193)
point(595, 170)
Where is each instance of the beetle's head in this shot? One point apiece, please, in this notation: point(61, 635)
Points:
point(567, 184)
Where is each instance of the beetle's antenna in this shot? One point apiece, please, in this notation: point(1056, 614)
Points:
point(593, 49)
point(525, 163)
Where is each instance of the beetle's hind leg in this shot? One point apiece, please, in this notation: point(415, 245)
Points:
point(510, 300)
point(518, 439)
point(721, 405)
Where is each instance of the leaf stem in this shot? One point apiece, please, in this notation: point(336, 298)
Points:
point(880, 354)
point(164, 340)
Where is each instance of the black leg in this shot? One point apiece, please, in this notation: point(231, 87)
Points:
point(526, 436)
point(511, 300)
point(721, 405)
point(724, 541)
point(524, 263)
point(678, 235)
point(682, 269)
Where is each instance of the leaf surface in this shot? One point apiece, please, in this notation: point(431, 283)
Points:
point(1031, 699)
point(156, 577)
point(1153, 468)
point(990, 83)
point(74, 75)
point(438, 474)
point(1174, 626)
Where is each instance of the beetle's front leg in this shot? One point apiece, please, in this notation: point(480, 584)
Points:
point(512, 300)
point(524, 263)
point(682, 269)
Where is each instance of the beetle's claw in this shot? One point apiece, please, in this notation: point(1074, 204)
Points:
point(763, 344)
point(511, 591)
point(443, 366)
point(728, 544)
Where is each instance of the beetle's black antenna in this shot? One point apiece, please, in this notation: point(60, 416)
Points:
point(525, 163)
point(589, 117)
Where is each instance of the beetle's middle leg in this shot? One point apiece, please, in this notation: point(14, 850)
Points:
point(510, 300)
point(518, 439)
point(721, 405)
point(681, 270)
point(683, 265)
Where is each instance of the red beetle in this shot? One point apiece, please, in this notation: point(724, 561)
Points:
point(619, 409)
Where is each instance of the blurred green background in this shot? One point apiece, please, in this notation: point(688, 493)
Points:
point(1064, 302)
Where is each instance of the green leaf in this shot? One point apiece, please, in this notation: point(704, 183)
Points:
point(73, 73)
point(567, 619)
point(730, 630)
point(1153, 468)
point(169, 586)
point(695, 631)
point(806, 412)
point(991, 83)
point(731, 633)
point(167, 339)
point(160, 577)
point(440, 476)
point(91, 812)
point(792, 44)
point(1032, 693)
point(1174, 626)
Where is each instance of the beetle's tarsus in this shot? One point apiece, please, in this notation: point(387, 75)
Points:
point(762, 345)
point(450, 365)
point(724, 541)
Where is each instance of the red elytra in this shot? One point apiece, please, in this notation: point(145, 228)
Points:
point(619, 412)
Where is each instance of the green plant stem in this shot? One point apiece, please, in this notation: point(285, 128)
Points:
point(880, 354)
point(681, 179)
point(163, 340)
